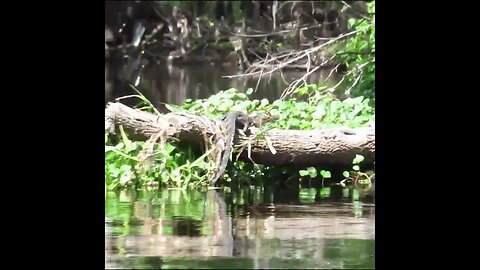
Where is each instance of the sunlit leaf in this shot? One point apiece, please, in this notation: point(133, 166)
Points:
point(174, 108)
point(303, 172)
point(264, 102)
point(325, 174)
point(358, 159)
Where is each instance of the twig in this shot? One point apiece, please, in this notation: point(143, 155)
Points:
point(347, 92)
point(358, 13)
point(283, 77)
point(259, 79)
point(269, 77)
point(298, 56)
point(291, 88)
point(331, 72)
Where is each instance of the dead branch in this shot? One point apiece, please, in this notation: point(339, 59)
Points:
point(257, 68)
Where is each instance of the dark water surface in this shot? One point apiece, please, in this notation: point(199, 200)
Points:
point(253, 227)
point(162, 83)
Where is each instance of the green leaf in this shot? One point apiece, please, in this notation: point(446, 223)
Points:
point(125, 139)
point(293, 122)
point(335, 105)
point(303, 172)
point(249, 91)
point(301, 106)
point(242, 96)
point(319, 113)
point(312, 172)
point(174, 108)
point(264, 102)
point(358, 159)
point(169, 148)
point(131, 147)
point(164, 176)
point(325, 174)
point(346, 174)
point(351, 22)
point(302, 90)
point(225, 105)
point(321, 87)
point(356, 167)
point(125, 168)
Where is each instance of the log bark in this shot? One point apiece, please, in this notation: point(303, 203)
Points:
point(315, 147)
point(334, 146)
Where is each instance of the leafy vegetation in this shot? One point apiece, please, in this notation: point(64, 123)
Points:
point(357, 176)
point(181, 166)
point(171, 166)
point(312, 106)
point(358, 53)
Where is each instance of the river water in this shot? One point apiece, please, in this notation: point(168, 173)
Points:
point(163, 83)
point(247, 228)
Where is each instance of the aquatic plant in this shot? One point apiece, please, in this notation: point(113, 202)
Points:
point(173, 164)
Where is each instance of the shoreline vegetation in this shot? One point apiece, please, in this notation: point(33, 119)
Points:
point(180, 149)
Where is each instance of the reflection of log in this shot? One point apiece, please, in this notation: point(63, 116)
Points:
point(293, 147)
point(316, 221)
point(152, 235)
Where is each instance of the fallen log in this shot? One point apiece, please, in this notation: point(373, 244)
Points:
point(334, 146)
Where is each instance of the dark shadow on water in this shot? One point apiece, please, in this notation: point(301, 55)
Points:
point(186, 227)
point(165, 83)
point(249, 228)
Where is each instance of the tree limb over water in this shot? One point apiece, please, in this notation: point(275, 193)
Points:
point(335, 146)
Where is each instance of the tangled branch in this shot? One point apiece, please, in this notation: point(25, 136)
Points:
point(273, 63)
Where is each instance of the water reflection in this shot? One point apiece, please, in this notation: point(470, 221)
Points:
point(165, 83)
point(193, 229)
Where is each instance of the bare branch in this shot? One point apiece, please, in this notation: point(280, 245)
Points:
point(331, 72)
point(291, 88)
point(297, 56)
point(358, 13)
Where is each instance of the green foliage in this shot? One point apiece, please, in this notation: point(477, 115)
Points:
point(357, 176)
point(181, 166)
point(323, 110)
point(312, 109)
point(312, 172)
point(171, 165)
point(325, 174)
point(317, 110)
point(358, 53)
